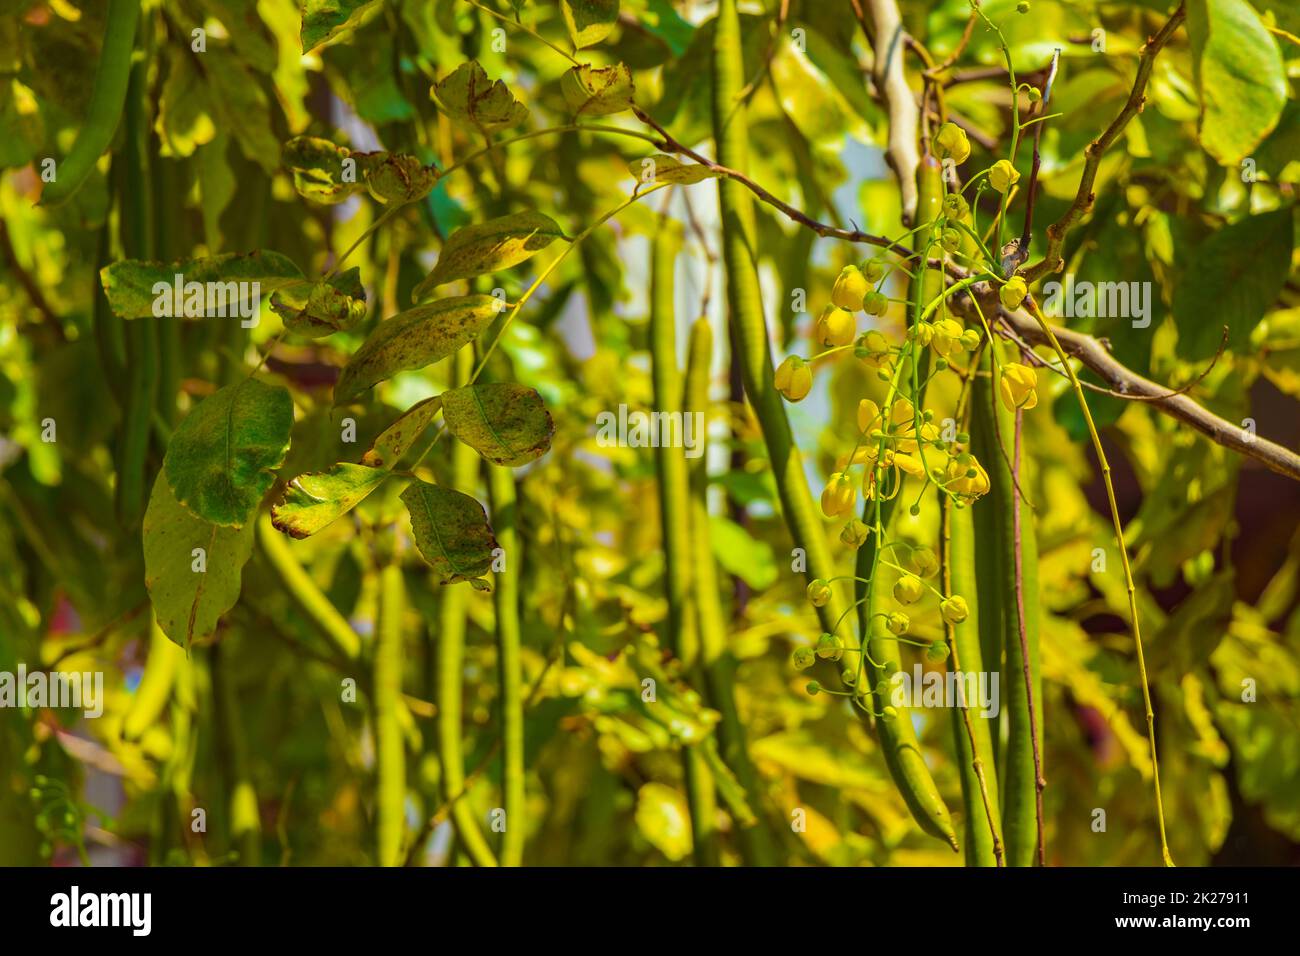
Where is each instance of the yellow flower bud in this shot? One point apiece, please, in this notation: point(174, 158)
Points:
point(898, 622)
point(970, 340)
point(1003, 176)
point(1013, 292)
point(835, 327)
point(954, 609)
point(909, 589)
point(950, 142)
point(874, 269)
point(855, 533)
point(838, 496)
point(875, 303)
point(1018, 386)
point(793, 379)
point(923, 561)
point(849, 289)
point(819, 593)
point(830, 647)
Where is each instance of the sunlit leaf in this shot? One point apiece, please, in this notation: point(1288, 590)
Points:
point(467, 94)
point(490, 246)
point(598, 90)
point(505, 423)
point(397, 438)
point(451, 531)
point(323, 20)
point(313, 500)
point(190, 588)
point(213, 286)
point(220, 460)
point(589, 21)
point(413, 339)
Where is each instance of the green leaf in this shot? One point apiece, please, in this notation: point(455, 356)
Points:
point(313, 500)
point(189, 602)
point(413, 339)
point(467, 94)
point(325, 172)
point(316, 309)
point(219, 462)
point(489, 246)
point(598, 90)
point(323, 20)
point(1234, 276)
point(504, 422)
point(741, 554)
point(137, 289)
point(183, 121)
point(1240, 74)
point(451, 531)
point(396, 440)
point(667, 169)
point(589, 21)
point(399, 178)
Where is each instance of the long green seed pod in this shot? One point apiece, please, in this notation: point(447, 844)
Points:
point(746, 311)
point(245, 820)
point(107, 96)
point(756, 842)
point(979, 790)
point(390, 748)
point(674, 494)
point(451, 659)
point(155, 688)
point(309, 598)
point(136, 229)
point(505, 597)
point(994, 428)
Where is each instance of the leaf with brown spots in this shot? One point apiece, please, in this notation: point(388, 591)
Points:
point(504, 422)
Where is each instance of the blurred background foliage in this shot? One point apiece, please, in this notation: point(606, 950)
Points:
point(255, 712)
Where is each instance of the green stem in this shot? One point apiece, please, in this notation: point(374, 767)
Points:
point(1118, 524)
point(386, 697)
point(758, 848)
point(245, 819)
point(674, 494)
point(505, 597)
point(451, 660)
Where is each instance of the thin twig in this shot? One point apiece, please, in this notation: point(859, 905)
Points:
point(1083, 200)
point(1022, 250)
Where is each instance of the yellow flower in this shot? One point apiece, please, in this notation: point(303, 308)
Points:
point(1019, 386)
point(849, 289)
point(946, 337)
point(838, 496)
point(1013, 292)
point(954, 609)
point(950, 142)
point(855, 533)
point(819, 593)
point(960, 481)
point(793, 379)
point(835, 327)
point(868, 415)
point(1003, 176)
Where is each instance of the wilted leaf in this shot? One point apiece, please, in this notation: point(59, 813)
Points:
point(397, 439)
point(134, 286)
point(666, 169)
point(188, 602)
point(1240, 75)
point(451, 531)
point(486, 247)
point(468, 94)
point(325, 172)
point(324, 19)
point(413, 339)
point(313, 500)
point(315, 309)
point(504, 422)
point(1232, 279)
point(598, 90)
point(589, 21)
point(398, 178)
point(219, 462)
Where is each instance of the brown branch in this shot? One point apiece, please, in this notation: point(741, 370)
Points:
point(1084, 199)
point(1131, 385)
point(1022, 250)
